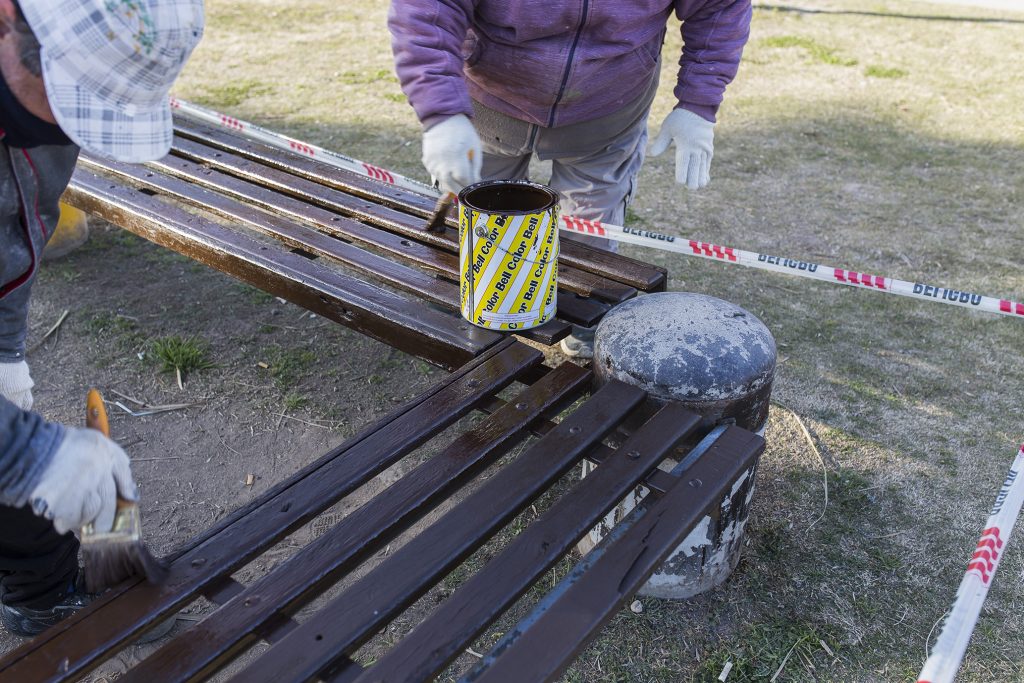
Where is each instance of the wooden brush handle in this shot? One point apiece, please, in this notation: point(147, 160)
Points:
point(96, 413)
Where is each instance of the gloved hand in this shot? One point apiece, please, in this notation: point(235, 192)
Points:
point(82, 482)
point(452, 153)
point(694, 137)
point(16, 384)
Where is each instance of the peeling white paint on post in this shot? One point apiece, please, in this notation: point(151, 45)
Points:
point(719, 361)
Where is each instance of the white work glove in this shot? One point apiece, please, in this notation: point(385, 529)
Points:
point(452, 153)
point(16, 384)
point(694, 137)
point(82, 482)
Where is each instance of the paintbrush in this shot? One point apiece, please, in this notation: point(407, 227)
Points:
point(112, 556)
point(438, 219)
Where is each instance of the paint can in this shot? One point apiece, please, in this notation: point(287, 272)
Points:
point(508, 254)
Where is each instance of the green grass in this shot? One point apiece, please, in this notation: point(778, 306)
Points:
point(876, 71)
point(181, 354)
point(815, 50)
point(232, 93)
point(288, 366)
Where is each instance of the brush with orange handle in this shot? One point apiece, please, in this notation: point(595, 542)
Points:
point(112, 556)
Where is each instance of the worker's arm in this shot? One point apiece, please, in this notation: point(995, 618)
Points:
point(713, 39)
point(27, 445)
point(426, 38)
point(69, 475)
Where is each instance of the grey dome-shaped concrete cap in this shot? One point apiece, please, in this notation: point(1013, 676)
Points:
point(709, 354)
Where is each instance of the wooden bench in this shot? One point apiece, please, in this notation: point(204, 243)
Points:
point(354, 251)
point(539, 648)
point(345, 246)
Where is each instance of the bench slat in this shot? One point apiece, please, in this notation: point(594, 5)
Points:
point(579, 254)
point(311, 241)
point(379, 313)
point(64, 652)
point(355, 615)
point(442, 636)
point(212, 642)
point(580, 281)
point(543, 645)
point(570, 307)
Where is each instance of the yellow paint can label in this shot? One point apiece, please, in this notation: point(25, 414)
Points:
point(508, 254)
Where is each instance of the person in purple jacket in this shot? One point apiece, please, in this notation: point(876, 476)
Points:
point(495, 82)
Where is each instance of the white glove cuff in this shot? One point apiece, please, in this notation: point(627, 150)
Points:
point(16, 384)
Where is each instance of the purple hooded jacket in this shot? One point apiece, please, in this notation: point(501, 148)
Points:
point(557, 62)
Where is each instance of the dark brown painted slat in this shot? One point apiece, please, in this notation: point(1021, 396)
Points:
point(543, 645)
point(571, 307)
point(657, 480)
point(635, 273)
point(66, 652)
point(305, 166)
point(444, 634)
point(262, 217)
point(311, 241)
point(227, 588)
point(211, 643)
point(580, 281)
point(343, 624)
point(394, 319)
point(292, 234)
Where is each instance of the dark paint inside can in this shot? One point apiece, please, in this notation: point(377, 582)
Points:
point(508, 197)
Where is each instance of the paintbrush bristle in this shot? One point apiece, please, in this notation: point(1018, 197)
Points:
point(439, 218)
point(113, 556)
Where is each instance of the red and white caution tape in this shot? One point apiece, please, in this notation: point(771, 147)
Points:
point(807, 269)
point(942, 665)
point(284, 142)
point(643, 238)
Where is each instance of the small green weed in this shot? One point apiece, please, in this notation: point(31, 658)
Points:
point(816, 50)
point(181, 354)
point(287, 365)
point(294, 401)
point(884, 72)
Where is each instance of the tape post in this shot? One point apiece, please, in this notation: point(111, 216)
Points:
point(643, 238)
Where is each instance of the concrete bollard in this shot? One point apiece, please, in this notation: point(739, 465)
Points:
point(719, 361)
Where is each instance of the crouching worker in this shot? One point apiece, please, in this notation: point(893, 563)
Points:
point(90, 74)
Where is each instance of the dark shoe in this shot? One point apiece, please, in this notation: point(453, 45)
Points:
point(29, 622)
point(580, 344)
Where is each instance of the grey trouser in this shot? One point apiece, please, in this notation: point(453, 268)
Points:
point(594, 164)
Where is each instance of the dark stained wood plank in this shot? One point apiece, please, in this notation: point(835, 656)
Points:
point(211, 643)
point(657, 480)
point(446, 632)
point(404, 323)
point(577, 253)
point(580, 281)
point(297, 236)
point(340, 626)
point(571, 307)
point(76, 645)
point(441, 260)
point(543, 645)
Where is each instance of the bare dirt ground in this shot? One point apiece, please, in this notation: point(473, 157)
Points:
point(884, 139)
